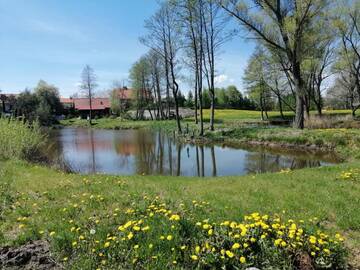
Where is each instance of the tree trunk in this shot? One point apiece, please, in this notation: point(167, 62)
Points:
point(280, 107)
point(212, 111)
point(299, 111)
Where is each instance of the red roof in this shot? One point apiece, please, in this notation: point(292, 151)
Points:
point(96, 103)
point(66, 100)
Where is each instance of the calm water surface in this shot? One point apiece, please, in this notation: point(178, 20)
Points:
point(129, 152)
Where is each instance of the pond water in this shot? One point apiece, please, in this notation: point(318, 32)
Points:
point(129, 152)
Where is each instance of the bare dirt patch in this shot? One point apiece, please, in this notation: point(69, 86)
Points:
point(31, 256)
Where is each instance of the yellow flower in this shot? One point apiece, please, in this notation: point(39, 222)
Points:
point(229, 254)
point(312, 239)
point(326, 251)
point(242, 259)
point(21, 226)
point(169, 237)
point(210, 232)
point(194, 257)
point(107, 244)
point(74, 243)
point(130, 235)
point(175, 217)
point(52, 233)
point(136, 246)
point(197, 249)
point(151, 246)
point(235, 246)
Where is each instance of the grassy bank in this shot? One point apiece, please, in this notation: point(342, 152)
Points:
point(80, 216)
point(116, 123)
point(346, 142)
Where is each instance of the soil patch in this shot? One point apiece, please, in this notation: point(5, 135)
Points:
point(31, 256)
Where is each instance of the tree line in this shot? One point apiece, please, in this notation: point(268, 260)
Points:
point(304, 49)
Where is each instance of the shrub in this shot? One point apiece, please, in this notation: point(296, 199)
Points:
point(18, 140)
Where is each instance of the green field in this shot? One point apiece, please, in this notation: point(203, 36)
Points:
point(160, 222)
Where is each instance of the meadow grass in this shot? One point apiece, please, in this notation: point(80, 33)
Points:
point(46, 204)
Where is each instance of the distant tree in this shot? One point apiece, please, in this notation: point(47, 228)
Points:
point(26, 105)
point(88, 86)
point(181, 99)
point(206, 99)
point(234, 97)
point(48, 102)
point(189, 103)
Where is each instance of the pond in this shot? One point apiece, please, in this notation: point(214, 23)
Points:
point(146, 152)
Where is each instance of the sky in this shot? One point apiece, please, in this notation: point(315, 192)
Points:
point(53, 40)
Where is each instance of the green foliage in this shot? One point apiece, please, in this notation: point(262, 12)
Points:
point(42, 104)
point(18, 140)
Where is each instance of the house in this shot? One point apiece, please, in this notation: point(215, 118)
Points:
point(81, 106)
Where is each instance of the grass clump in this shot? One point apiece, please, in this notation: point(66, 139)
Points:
point(18, 140)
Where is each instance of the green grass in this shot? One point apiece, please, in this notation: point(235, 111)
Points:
point(41, 203)
point(42, 194)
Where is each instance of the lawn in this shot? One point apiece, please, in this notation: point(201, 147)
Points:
point(42, 203)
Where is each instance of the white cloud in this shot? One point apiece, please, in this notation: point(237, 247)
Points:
point(221, 78)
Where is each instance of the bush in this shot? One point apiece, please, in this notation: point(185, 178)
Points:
point(18, 140)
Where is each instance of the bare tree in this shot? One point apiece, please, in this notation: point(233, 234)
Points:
point(88, 86)
point(163, 38)
point(214, 25)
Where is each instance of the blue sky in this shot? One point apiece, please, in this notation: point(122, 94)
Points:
point(53, 40)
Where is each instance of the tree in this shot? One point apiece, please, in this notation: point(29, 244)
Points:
point(214, 23)
point(287, 28)
point(234, 97)
point(88, 86)
point(140, 81)
point(347, 64)
point(156, 77)
point(189, 103)
point(254, 79)
point(26, 104)
point(164, 29)
point(48, 102)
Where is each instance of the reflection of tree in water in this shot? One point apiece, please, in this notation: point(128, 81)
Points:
point(261, 162)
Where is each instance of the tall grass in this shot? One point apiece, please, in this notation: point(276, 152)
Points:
point(331, 121)
point(18, 140)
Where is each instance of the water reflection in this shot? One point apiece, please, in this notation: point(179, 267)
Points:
point(144, 152)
